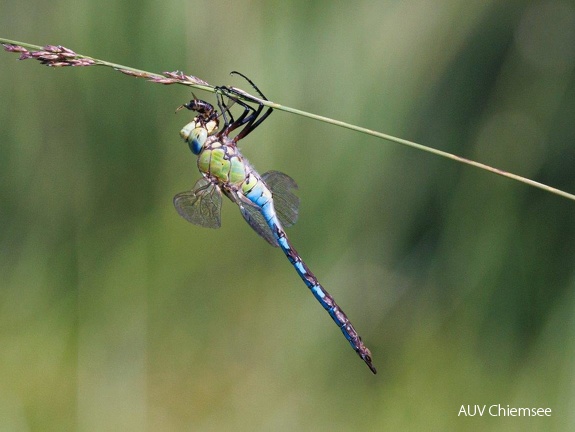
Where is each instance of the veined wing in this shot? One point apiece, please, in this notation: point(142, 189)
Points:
point(286, 203)
point(202, 205)
point(253, 216)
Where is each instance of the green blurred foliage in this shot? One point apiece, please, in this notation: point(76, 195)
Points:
point(115, 314)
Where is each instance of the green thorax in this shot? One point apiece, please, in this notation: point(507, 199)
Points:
point(223, 163)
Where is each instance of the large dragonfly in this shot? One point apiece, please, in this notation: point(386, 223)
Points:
point(266, 201)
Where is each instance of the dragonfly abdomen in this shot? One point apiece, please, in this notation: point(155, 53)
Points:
point(318, 291)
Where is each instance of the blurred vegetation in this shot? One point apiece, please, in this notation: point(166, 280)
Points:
point(116, 314)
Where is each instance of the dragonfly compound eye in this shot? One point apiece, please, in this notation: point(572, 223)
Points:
point(195, 134)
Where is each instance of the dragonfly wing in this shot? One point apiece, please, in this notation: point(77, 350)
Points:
point(255, 219)
point(202, 205)
point(286, 203)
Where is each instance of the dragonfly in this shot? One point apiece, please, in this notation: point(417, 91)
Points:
point(267, 202)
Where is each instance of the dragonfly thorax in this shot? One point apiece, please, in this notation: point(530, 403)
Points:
point(221, 161)
point(196, 132)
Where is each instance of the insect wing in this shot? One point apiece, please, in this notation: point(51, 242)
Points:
point(286, 203)
point(202, 205)
point(255, 219)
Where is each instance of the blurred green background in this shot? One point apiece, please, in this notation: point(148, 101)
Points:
point(116, 314)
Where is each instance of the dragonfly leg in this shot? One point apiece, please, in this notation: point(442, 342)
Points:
point(225, 109)
point(253, 120)
point(255, 124)
point(250, 121)
point(233, 124)
point(246, 118)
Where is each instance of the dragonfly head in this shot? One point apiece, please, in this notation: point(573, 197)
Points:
point(205, 124)
point(196, 132)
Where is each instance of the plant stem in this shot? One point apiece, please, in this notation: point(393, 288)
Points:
point(179, 78)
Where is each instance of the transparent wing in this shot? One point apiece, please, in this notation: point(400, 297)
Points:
point(202, 205)
point(253, 216)
point(255, 219)
point(286, 203)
